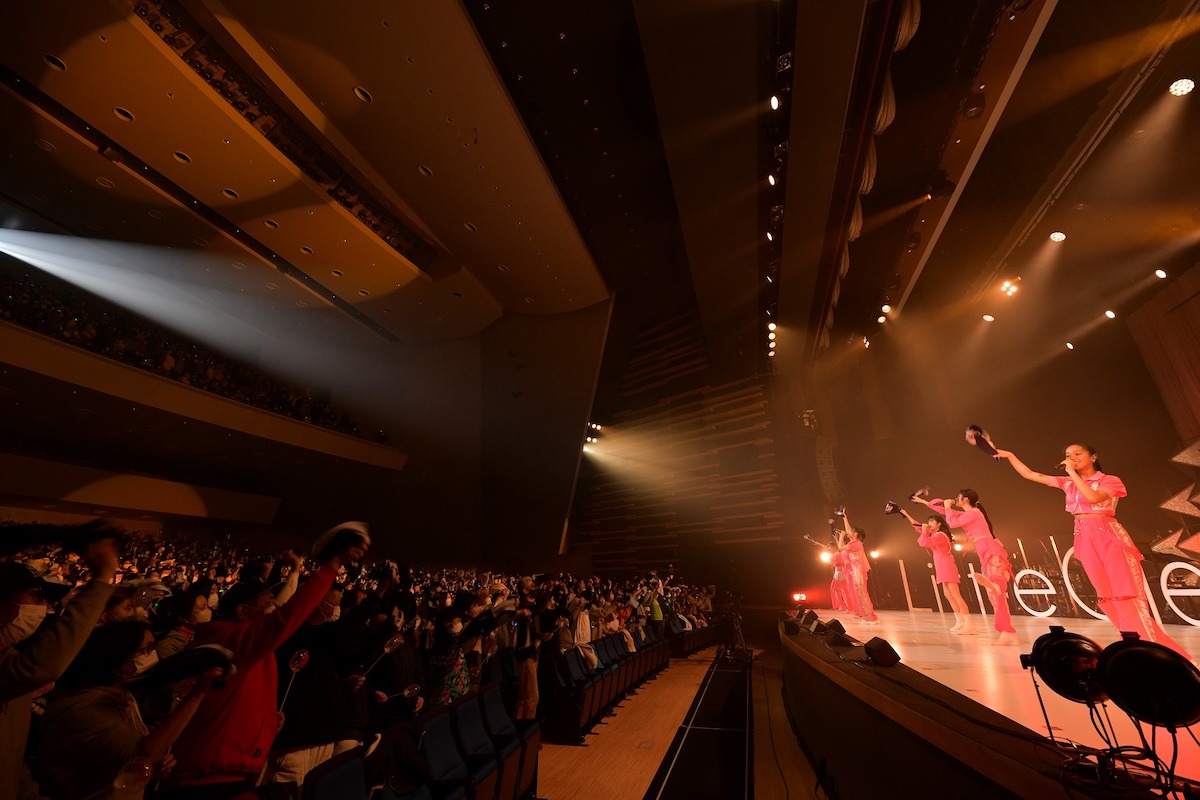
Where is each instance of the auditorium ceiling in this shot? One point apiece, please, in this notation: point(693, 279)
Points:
point(413, 172)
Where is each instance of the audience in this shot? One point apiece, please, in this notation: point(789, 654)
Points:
point(381, 645)
point(42, 303)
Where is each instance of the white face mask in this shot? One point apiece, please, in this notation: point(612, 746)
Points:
point(143, 661)
point(29, 617)
point(202, 616)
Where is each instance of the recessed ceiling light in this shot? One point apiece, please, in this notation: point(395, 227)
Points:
point(271, 224)
point(1181, 87)
point(470, 226)
point(1160, 273)
point(123, 114)
point(771, 326)
point(54, 62)
point(424, 170)
point(362, 94)
point(774, 102)
point(771, 179)
point(1070, 346)
point(230, 193)
point(886, 308)
point(771, 336)
point(1110, 314)
point(770, 238)
point(308, 251)
point(882, 319)
point(988, 318)
point(1058, 236)
point(182, 157)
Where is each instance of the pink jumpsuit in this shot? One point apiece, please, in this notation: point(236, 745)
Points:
point(1110, 559)
point(858, 567)
point(839, 591)
point(993, 559)
point(945, 570)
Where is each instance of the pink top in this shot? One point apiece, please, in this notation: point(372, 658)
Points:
point(945, 568)
point(1078, 504)
point(857, 557)
point(971, 520)
point(937, 541)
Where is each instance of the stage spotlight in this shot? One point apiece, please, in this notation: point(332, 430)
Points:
point(874, 554)
point(941, 186)
point(1160, 273)
point(886, 308)
point(958, 548)
point(1058, 236)
point(797, 597)
point(1181, 87)
point(988, 318)
point(1067, 663)
point(771, 179)
point(825, 557)
point(881, 319)
point(1110, 314)
point(1150, 682)
point(770, 238)
point(770, 326)
point(774, 102)
point(1070, 346)
point(974, 104)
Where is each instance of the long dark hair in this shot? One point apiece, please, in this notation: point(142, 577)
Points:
point(973, 496)
point(1091, 452)
point(102, 655)
point(943, 526)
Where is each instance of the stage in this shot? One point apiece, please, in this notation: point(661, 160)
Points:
point(904, 711)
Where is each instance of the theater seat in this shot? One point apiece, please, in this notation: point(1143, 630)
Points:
point(340, 778)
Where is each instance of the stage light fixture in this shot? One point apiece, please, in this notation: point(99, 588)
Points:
point(1058, 236)
point(1070, 346)
point(958, 548)
point(774, 102)
point(1010, 287)
point(874, 554)
point(770, 352)
point(940, 186)
point(1110, 314)
point(825, 557)
point(770, 326)
point(1067, 663)
point(866, 342)
point(1160, 273)
point(771, 335)
point(886, 308)
point(1181, 87)
point(974, 104)
point(771, 344)
point(771, 179)
point(881, 319)
point(770, 238)
point(988, 318)
point(1150, 682)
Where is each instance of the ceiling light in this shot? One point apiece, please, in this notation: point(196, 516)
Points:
point(770, 326)
point(770, 238)
point(1070, 346)
point(1160, 273)
point(973, 105)
point(882, 319)
point(770, 352)
point(771, 336)
point(771, 345)
point(771, 179)
point(774, 102)
point(988, 318)
point(1181, 87)
point(1110, 314)
point(1058, 236)
point(886, 308)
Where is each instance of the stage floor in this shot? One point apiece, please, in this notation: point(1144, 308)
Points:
point(992, 675)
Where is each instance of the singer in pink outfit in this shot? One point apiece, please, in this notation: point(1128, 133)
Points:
point(1102, 545)
point(995, 568)
point(850, 543)
point(935, 535)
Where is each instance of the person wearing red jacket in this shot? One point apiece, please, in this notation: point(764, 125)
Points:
point(222, 751)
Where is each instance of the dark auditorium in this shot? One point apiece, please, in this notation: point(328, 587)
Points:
point(621, 400)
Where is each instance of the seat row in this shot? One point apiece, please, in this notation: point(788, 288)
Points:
point(684, 642)
point(581, 695)
point(472, 750)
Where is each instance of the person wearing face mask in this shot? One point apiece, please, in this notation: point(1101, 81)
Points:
point(30, 667)
point(223, 751)
point(93, 727)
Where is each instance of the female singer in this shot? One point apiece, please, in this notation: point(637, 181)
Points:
point(850, 542)
point(935, 535)
point(996, 570)
point(1102, 545)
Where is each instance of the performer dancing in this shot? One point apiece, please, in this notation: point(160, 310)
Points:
point(935, 535)
point(850, 543)
point(1102, 545)
point(996, 570)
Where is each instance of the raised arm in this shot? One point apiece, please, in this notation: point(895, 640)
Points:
point(1024, 471)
